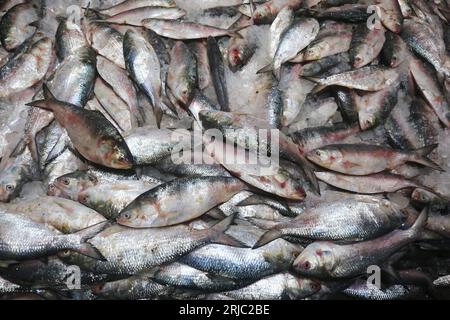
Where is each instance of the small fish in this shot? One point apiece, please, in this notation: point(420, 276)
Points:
point(135, 17)
point(372, 184)
point(89, 128)
point(325, 47)
point(27, 69)
point(366, 45)
point(69, 38)
point(25, 239)
point(395, 50)
point(168, 205)
point(283, 20)
point(135, 4)
point(184, 30)
point(351, 219)
point(365, 159)
point(329, 260)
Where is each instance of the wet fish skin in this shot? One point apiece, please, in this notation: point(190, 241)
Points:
point(62, 214)
point(324, 65)
point(277, 287)
point(151, 247)
point(369, 78)
point(346, 12)
point(346, 101)
point(143, 64)
point(184, 30)
point(87, 128)
point(360, 290)
point(376, 183)
point(134, 17)
point(326, 46)
point(34, 63)
point(15, 171)
point(168, 205)
point(104, 39)
point(217, 70)
point(50, 273)
point(134, 4)
point(183, 276)
point(74, 79)
point(25, 239)
point(395, 50)
point(111, 199)
point(240, 51)
point(316, 137)
point(370, 218)
point(182, 73)
point(364, 159)
point(366, 45)
point(132, 288)
point(15, 26)
point(283, 20)
point(329, 260)
point(69, 39)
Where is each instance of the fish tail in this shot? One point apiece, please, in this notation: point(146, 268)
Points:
point(91, 231)
point(217, 233)
point(44, 103)
point(89, 250)
point(265, 69)
point(420, 156)
point(267, 237)
point(416, 229)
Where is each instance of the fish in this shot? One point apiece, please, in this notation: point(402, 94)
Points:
point(283, 20)
point(135, 16)
point(135, 4)
point(119, 81)
point(277, 287)
point(217, 71)
point(104, 39)
point(370, 218)
point(24, 238)
point(241, 50)
point(69, 38)
point(168, 205)
point(34, 64)
point(395, 51)
point(325, 47)
point(62, 214)
point(293, 40)
point(184, 30)
point(360, 290)
point(143, 64)
point(182, 75)
point(87, 128)
point(73, 81)
point(16, 25)
point(151, 247)
point(364, 159)
point(366, 45)
point(346, 100)
point(329, 260)
point(369, 78)
point(372, 184)
point(346, 12)
point(111, 199)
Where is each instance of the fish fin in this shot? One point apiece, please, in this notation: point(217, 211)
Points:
point(420, 156)
point(48, 95)
point(44, 103)
point(217, 233)
point(34, 24)
point(158, 116)
point(312, 79)
point(89, 250)
point(19, 148)
point(91, 231)
point(263, 223)
point(216, 213)
point(416, 229)
point(311, 177)
point(318, 88)
point(267, 237)
point(265, 69)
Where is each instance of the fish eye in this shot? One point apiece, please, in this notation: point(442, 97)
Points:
point(66, 181)
point(306, 265)
point(315, 286)
point(127, 215)
point(9, 187)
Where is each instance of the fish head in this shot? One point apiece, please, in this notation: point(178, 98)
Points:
point(116, 153)
point(300, 287)
point(11, 184)
point(263, 14)
point(422, 196)
point(325, 157)
point(70, 185)
point(215, 119)
point(316, 260)
point(137, 215)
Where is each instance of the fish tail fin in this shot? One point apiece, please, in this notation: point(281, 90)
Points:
point(416, 229)
point(87, 249)
point(44, 103)
point(265, 69)
point(420, 156)
point(217, 233)
point(267, 237)
point(85, 234)
point(91, 231)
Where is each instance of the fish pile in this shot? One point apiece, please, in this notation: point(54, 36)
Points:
point(100, 100)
